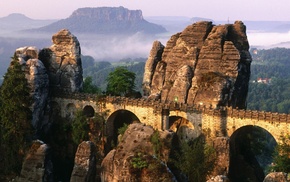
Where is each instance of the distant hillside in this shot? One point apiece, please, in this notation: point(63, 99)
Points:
point(105, 20)
point(16, 22)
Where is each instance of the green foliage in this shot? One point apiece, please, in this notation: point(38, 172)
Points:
point(195, 159)
point(100, 70)
point(273, 97)
point(15, 122)
point(282, 156)
point(121, 82)
point(139, 161)
point(122, 129)
point(88, 86)
point(155, 140)
point(80, 128)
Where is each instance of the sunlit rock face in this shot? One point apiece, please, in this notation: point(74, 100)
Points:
point(37, 77)
point(64, 64)
point(85, 163)
point(204, 64)
point(118, 165)
point(276, 177)
point(37, 165)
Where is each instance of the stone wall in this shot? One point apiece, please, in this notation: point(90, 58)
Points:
point(214, 122)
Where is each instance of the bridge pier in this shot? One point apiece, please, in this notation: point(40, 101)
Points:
point(165, 119)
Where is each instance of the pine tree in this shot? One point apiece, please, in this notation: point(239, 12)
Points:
point(15, 121)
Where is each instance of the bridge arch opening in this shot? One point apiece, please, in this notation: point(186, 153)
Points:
point(251, 149)
point(116, 121)
point(88, 111)
point(182, 127)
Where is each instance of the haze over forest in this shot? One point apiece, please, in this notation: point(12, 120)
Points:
point(115, 46)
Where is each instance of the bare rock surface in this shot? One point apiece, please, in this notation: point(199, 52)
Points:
point(85, 163)
point(204, 64)
point(121, 163)
point(64, 65)
point(37, 77)
point(36, 166)
point(276, 177)
point(219, 178)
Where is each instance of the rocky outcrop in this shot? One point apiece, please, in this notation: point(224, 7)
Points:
point(85, 163)
point(204, 64)
point(64, 64)
point(37, 166)
point(36, 74)
point(218, 179)
point(105, 20)
point(276, 177)
point(134, 157)
point(154, 57)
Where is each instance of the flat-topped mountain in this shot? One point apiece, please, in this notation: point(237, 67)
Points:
point(105, 20)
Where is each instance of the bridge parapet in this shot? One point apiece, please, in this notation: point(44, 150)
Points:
point(173, 106)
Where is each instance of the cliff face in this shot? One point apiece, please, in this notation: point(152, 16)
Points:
point(105, 20)
point(204, 64)
point(64, 62)
point(38, 81)
point(108, 14)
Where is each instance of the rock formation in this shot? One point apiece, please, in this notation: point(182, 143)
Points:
point(276, 177)
point(218, 178)
point(85, 163)
point(204, 64)
point(105, 20)
point(63, 62)
point(135, 145)
point(36, 74)
point(37, 166)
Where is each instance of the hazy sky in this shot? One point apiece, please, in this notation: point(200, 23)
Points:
point(213, 9)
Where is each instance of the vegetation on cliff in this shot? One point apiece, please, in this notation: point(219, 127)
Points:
point(15, 118)
point(195, 159)
point(281, 156)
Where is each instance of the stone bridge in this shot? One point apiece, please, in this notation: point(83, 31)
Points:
point(188, 119)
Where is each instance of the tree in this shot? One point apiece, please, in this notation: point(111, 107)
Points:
point(282, 155)
point(88, 86)
point(80, 128)
point(15, 122)
point(121, 82)
point(195, 159)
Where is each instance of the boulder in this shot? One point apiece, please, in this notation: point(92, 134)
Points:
point(37, 165)
point(276, 177)
point(134, 159)
point(85, 163)
point(204, 64)
point(218, 178)
point(64, 64)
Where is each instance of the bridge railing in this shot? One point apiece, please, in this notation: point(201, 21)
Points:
point(159, 105)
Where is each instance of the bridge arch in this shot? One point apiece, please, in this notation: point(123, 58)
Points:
point(184, 129)
point(251, 149)
point(115, 121)
point(89, 111)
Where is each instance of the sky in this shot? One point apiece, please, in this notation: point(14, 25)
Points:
point(274, 10)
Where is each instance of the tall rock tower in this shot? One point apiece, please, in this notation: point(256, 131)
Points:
point(205, 64)
point(63, 61)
